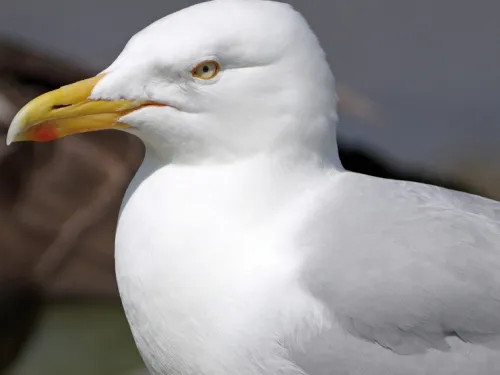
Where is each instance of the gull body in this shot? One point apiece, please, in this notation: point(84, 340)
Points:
point(243, 246)
point(257, 268)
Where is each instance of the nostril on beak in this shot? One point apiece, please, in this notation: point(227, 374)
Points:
point(59, 106)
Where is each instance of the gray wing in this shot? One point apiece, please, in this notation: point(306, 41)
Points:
point(410, 274)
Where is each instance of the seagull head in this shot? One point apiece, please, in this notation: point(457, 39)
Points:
point(215, 81)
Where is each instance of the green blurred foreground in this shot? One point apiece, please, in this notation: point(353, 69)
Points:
point(80, 339)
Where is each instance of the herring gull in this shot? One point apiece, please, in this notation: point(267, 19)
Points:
point(243, 247)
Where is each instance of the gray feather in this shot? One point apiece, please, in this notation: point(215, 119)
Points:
point(410, 275)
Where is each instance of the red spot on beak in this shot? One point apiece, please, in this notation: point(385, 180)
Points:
point(44, 132)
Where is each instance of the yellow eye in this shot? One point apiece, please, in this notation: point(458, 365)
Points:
point(206, 70)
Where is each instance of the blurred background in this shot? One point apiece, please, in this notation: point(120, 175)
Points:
point(419, 87)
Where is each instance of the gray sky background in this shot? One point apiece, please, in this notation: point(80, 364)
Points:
point(432, 66)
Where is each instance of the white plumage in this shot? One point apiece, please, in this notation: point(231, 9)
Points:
point(243, 247)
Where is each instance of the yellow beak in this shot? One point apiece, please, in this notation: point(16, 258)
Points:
point(68, 110)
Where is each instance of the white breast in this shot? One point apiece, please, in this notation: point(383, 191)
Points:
point(207, 276)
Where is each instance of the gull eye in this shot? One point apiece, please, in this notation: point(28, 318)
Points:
point(206, 70)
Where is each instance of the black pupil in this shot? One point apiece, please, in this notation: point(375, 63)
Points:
point(205, 68)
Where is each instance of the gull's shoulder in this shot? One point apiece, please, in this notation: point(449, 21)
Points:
point(408, 195)
point(406, 265)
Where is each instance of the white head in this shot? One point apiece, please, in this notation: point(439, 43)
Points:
point(267, 86)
